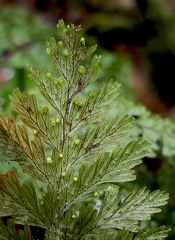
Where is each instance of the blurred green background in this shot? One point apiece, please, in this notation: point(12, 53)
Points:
point(136, 41)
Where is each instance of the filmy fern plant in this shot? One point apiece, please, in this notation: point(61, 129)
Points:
point(80, 156)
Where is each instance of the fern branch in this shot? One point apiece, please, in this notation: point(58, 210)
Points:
point(35, 118)
point(137, 206)
point(9, 231)
point(22, 199)
point(108, 168)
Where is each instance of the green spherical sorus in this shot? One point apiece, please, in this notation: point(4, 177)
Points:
point(43, 110)
point(75, 179)
point(66, 53)
point(59, 81)
point(81, 70)
point(48, 51)
point(63, 174)
point(58, 120)
point(40, 111)
point(82, 40)
point(96, 194)
point(91, 94)
point(35, 132)
point(53, 123)
point(60, 44)
point(49, 160)
point(77, 142)
point(48, 74)
point(78, 103)
point(81, 104)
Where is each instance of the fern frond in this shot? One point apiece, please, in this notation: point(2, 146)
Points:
point(36, 118)
point(83, 113)
point(22, 201)
point(9, 149)
point(158, 233)
point(9, 231)
point(137, 206)
point(113, 235)
point(18, 134)
point(78, 154)
point(49, 207)
point(32, 150)
point(86, 220)
point(100, 137)
point(105, 169)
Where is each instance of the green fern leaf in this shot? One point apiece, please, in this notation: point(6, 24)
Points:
point(49, 207)
point(108, 168)
point(9, 149)
point(113, 235)
point(18, 134)
point(9, 231)
point(137, 206)
point(158, 233)
point(83, 113)
point(86, 220)
point(20, 201)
